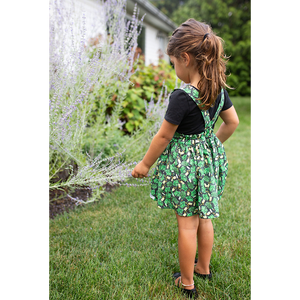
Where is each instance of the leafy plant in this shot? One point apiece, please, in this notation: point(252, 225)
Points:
point(146, 84)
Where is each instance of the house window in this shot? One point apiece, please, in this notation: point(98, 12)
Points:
point(141, 38)
point(162, 40)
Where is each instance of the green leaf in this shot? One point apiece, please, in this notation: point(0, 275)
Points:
point(130, 114)
point(129, 126)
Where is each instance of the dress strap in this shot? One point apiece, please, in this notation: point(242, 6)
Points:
point(194, 94)
point(221, 104)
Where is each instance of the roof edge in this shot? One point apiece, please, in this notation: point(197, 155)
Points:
point(155, 11)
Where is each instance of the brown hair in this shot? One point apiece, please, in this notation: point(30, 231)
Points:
point(198, 39)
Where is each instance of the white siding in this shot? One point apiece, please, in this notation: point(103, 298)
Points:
point(151, 47)
point(154, 44)
point(82, 19)
point(93, 17)
point(154, 39)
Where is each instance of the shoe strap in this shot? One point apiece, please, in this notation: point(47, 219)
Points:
point(186, 284)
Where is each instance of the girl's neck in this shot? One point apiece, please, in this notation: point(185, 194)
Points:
point(194, 77)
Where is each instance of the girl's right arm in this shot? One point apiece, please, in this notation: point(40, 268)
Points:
point(231, 121)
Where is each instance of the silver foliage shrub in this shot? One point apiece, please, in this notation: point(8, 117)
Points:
point(73, 74)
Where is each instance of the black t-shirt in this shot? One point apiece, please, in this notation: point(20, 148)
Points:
point(183, 111)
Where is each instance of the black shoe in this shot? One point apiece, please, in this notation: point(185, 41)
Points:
point(203, 276)
point(189, 293)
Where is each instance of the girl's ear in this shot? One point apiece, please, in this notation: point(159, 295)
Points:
point(186, 58)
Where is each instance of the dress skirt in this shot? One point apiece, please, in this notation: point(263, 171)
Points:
point(190, 175)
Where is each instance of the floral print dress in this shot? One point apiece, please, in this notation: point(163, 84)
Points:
point(190, 174)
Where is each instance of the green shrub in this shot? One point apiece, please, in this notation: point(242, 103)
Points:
point(147, 83)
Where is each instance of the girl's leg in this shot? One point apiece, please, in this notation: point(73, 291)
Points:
point(205, 236)
point(187, 245)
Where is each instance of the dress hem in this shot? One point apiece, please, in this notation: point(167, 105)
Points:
point(165, 207)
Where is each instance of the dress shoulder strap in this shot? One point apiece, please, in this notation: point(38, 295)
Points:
point(221, 104)
point(194, 94)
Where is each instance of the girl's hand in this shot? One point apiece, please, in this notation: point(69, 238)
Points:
point(140, 170)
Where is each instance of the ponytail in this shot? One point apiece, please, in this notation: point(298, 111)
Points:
point(211, 66)
point(199, 40)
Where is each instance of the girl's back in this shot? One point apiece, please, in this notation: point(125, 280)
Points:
point(183, 111)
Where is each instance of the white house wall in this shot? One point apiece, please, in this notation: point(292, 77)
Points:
point(93, 17)
point(153, 45)
point(155, 39)
point(79, 15)
point(151, 49)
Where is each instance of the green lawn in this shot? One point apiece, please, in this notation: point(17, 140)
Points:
point(124, 247)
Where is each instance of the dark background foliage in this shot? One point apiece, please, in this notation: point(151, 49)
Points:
point(230, 20)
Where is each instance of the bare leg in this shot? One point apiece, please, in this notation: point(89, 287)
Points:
point(187, 245)
point(205, 236)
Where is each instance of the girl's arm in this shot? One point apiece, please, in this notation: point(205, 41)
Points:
point(157, 147)
point(231, 121)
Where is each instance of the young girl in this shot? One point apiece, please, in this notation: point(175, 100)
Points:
point(192, 167)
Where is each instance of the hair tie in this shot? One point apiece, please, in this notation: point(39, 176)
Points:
point(205, 35)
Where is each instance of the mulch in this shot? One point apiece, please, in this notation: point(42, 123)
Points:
point(60, 202)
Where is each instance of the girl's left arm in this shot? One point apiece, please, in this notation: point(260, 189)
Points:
point(231, 121)
point(157, 147)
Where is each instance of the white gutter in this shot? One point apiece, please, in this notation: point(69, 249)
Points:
point(156, 12)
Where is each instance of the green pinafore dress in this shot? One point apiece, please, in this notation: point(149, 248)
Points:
point(190, 174)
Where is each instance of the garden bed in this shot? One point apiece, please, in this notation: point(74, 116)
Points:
point(60, 202)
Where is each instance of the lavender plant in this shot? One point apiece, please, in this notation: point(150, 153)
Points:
point(74, 74)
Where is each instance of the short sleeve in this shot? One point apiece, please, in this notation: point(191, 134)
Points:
point(178, 107)
point(227, 101)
